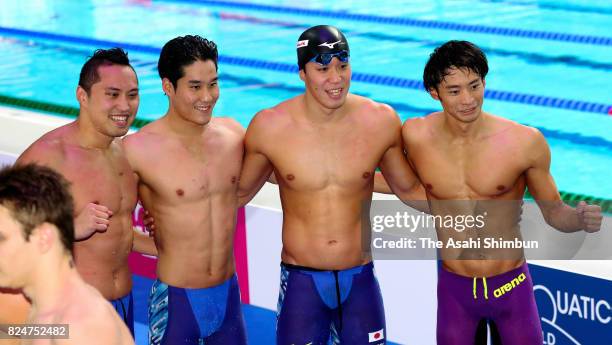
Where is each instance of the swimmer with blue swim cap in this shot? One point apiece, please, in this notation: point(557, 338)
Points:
point(324, 146)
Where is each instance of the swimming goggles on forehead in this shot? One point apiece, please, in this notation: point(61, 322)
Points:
point(326, 58)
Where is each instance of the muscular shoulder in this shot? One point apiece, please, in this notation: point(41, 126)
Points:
point(225, 133)
point(532, 141)
point(144, 134)
point(527, 142)
point(269, 123)
point(275, 116)
point(273, 119)
point(521, 134)
point(529, 135)
point(376, 115)
point(147, 135)
point(46, 150)
point(229, 126)
point(143, 145)
point(416, 129)
point(368, 106)
point(98, 317)
point(103, 323)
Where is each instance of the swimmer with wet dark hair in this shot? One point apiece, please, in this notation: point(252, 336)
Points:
point(88, 153)
point(188, 165)
point(471, 160)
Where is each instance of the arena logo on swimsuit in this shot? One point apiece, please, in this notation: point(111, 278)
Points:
point(509, 286)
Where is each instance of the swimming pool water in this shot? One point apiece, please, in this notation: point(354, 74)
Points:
point(552, 49)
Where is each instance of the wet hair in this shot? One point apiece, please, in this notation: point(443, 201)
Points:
point(458, 54)
point(183, 51)
point(34, 195)
point(101, 57)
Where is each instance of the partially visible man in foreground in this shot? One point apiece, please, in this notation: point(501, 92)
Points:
point(36, 240)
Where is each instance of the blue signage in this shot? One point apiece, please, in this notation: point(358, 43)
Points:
point(574, 309)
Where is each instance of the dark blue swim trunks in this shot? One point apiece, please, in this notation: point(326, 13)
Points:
point(320, 307)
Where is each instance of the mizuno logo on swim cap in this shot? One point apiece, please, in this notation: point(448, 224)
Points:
point(303, 43)
point(329, 45)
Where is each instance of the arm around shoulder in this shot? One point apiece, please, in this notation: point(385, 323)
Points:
point(130, 145)
point(397, 172)
point(256, 167)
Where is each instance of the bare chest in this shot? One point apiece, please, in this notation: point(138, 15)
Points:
point(179, 172)
point(470, 172)
point(316, 161)
point(103, 178)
